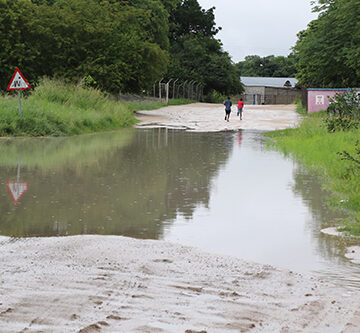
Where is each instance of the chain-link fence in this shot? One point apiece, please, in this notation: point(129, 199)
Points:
point(175, 89)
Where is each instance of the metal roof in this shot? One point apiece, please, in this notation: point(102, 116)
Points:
point(274, 82)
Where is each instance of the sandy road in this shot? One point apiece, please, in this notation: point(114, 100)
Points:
point(116, 284)
point(113, 284)
point(210, 117)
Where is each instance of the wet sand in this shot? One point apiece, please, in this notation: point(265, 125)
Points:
point(118, 284)
point(210, 117)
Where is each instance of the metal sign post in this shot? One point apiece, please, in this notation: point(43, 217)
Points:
point(19, 93)
point(18, 82)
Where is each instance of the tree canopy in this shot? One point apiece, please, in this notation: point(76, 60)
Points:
point(328, 51)
point(122, 44)
point(270, 66)
point(195, 53)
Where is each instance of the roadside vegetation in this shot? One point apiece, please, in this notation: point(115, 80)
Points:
point(56, 108)
point(328, 144)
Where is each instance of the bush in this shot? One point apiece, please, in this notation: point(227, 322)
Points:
point(334, 124)
point(347, 105)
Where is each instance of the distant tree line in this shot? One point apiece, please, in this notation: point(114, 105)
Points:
point(326, 54)
point(118, 45)
point(270, 66)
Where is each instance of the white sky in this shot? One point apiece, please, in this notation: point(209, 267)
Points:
point(261, 27)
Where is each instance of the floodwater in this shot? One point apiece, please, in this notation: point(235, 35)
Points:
point(222, 192)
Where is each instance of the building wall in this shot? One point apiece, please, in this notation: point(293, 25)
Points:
point(254, 95)
point(270, 95)
point(319, 99)
point(281, 95)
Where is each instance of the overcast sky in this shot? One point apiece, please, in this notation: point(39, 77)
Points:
point(261, 27)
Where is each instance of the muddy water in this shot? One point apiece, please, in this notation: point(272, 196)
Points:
point(223, 192)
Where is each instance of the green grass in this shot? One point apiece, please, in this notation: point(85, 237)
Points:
point(153, 105)
point(300, 108)
point(59, 109)
point(318, 149)
point(55, 108)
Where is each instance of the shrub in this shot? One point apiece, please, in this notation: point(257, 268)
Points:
point(334, 124)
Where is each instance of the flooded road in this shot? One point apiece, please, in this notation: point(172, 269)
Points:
point(223, 192)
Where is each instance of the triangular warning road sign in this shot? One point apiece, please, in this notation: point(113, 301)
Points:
point(16, 189)
point(18, 81)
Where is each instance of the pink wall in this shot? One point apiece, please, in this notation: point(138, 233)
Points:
point(318, 99)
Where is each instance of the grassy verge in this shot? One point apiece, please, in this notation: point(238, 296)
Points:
point(316, 148)
point(59, 109)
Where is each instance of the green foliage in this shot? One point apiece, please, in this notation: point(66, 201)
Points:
point(352, 226)
point(121, 45)
point(346, 104)
point(328, 52)
point(195, 54)
point(215, 97)
point(57, 109)
point(269, 66)
point(343, 112)
point(300, 108)
point(353, 159)
point(334, 124)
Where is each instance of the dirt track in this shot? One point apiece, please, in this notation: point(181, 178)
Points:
point(210, 117)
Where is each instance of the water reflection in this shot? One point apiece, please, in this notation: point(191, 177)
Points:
point(17, 188)
point(222, 192)
point(331, 249)
point(124, 183)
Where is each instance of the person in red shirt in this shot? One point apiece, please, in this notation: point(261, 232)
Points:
point(240, 108)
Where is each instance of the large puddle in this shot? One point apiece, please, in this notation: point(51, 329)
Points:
point(222, 192)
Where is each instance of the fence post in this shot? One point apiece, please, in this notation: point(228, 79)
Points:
point(167, 91)
point(184, 88)
point(160, 89)
point(197, 92)
point(174, 88)
point(191, 82)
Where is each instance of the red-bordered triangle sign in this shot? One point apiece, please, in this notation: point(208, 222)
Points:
point(17, 190)
point(18, 81)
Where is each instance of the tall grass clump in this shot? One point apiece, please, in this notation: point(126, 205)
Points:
point(334, 156)
point(300, 108)
point(56, 108)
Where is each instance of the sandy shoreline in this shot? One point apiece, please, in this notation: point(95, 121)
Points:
point(93, 283)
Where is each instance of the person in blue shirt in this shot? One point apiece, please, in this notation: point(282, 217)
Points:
point(228, 104)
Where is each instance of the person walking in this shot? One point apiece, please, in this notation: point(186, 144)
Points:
point(228, 104)
point(240, 108)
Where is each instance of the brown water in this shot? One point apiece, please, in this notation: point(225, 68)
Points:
point(223, 192)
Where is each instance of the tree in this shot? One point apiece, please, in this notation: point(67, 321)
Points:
point(195, 53)
point(328, 51)
point(269, 66)
point(122, 45)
